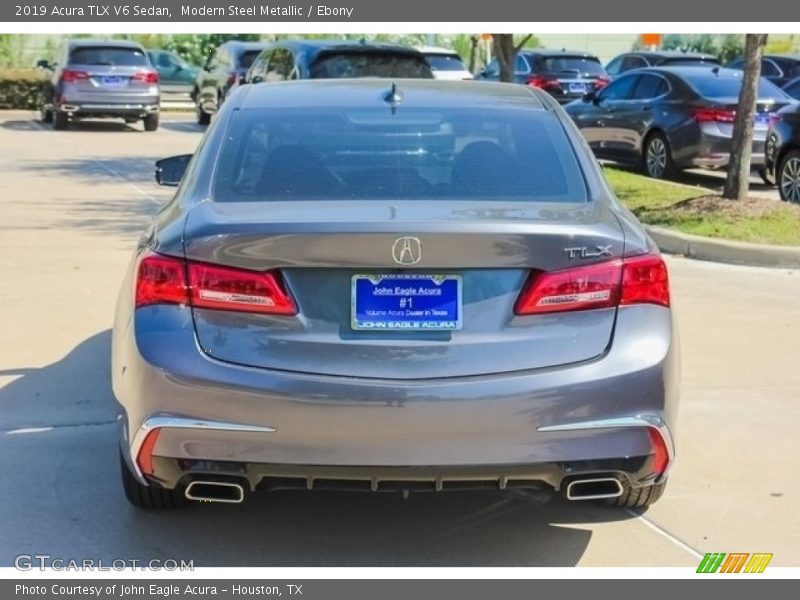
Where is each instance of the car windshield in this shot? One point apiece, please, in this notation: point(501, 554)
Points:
point(247, 58)
point(404, 154)
point(104, 55)
point(445, 62)
point(714, 86)
point(336, 65)
point(579, 64)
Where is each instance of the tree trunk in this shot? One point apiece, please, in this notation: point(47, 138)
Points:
point(506, 54)
point(473, 51)
point(738, 179)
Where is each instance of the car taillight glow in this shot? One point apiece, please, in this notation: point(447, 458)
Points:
point(539, 81)
point(601, 82)
point(225, 288)
point(713, 115)
point(71, 76)
point(146, 76)
point(636, 280)
point(169, 280)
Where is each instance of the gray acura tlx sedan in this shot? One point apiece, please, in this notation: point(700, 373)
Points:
point(404, 286)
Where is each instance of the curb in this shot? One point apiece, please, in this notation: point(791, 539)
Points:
point(724, 251)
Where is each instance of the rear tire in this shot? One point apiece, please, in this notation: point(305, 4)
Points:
point(657, 157)
point(151, 122)
point(60, 120)
point(203, 118)
point(637, 497)
point(46, 115)
point(765, 177)
point(788, 176)
point(148, 497)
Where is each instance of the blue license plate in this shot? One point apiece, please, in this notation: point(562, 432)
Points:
point(406, 302)
point(114, 80)
point(762, 119)
point(577, 88)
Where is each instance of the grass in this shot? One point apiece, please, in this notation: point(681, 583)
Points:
point(693, 210)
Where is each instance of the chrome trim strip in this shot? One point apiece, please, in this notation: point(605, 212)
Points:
point(165, 421)
point(617, 494)
point(651, 421)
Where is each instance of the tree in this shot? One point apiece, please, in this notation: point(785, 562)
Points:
point(738, 179)
point(505, 50)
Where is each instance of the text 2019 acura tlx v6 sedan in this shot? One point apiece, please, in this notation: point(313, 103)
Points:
point(406, 286)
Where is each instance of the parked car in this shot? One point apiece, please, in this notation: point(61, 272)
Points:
point(793, 88)
point(783, 152)
point(564, 74)
point(445, 63)
point(659, 58)
point(780, 69)
point(101, 79)
point(669, 118)
point(378, 285)
point(225, 68)
point(176, 75)
point(335, 59)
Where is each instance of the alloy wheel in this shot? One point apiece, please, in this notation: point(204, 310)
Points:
point(790, 179)
point(656, 159)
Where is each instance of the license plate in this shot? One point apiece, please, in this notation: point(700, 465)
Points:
point(762, 119)
point(577, 88)
point(406, 302)
point(114, 80)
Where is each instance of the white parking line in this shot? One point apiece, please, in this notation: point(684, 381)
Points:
point(111, 172)
point(665, 534)
point(28, 430)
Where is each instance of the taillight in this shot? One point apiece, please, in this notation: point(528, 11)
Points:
point(145, 76)
point(163, 280)
point(660, 451)
point(636, 280)
point(144, 460)
point(711, 115)
point(601, 82)
point(71, 76)
point(232, 79)
point(774, 119)
point(225, 288)
point(160, 280)
point(545, 83)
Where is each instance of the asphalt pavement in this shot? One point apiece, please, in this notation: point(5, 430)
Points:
point(72, 205)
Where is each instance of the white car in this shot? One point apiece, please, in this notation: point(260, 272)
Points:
point(445, 63)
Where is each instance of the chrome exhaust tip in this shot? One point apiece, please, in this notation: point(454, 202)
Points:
point(215, 491)
point(595, 488)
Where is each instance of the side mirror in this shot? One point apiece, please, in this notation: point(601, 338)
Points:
point(44, 64)
point(257, 79)
point(169, 171)
point(590, 97)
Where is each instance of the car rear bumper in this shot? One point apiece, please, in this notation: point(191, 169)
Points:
point(105, 109)
point(219, 418)
point(713, 147)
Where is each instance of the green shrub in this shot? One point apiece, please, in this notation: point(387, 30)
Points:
point(23, 88)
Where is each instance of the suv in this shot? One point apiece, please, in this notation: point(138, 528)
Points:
point(445, 63)
point(566, 75)
point(101, 78)
point(336, 59)
point(224, 69)
point(175, 74)
point(780, 69)
point(672, 58)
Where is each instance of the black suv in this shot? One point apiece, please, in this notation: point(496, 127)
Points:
point(565, 74)
point(659, 58)
point(335, 59)
point(225, 68)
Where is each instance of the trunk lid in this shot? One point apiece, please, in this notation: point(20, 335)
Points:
point(319, 246)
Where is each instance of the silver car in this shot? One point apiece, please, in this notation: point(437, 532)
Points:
point(102, 79)
point(376, 286)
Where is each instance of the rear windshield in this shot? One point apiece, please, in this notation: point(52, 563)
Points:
point(712, 86)
point(336, 65)
point(104, 55)
point(363, 154)
point(445, 62)
point(578, 64)
point(247, 58)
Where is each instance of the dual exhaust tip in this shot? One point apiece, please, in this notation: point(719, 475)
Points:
point(595, 488)
point(215, 491)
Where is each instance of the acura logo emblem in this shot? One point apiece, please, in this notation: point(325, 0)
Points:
point(407, 250)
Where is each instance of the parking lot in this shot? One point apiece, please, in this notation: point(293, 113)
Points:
point(71, 207)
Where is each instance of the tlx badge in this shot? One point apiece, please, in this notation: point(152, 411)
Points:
point(584, 252)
